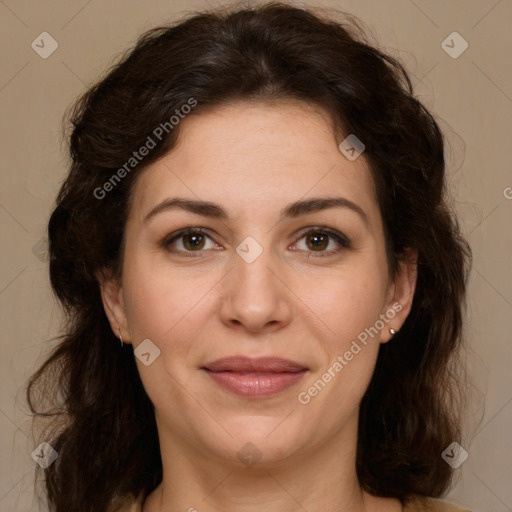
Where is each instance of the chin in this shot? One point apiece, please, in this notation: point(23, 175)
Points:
point(267, 439)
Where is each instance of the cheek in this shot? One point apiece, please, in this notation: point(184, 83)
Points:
point(160, 301)
point(345, 302)
point(349, 305)
point(350, 350)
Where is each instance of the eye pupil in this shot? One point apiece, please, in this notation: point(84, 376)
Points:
point(319, 241)
point(193, 241)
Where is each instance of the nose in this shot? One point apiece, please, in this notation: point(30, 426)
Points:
point(254, 296)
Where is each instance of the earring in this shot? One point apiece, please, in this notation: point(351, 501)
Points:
point(392, 331)
point(120, 336)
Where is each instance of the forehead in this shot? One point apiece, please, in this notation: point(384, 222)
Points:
point(253, 157)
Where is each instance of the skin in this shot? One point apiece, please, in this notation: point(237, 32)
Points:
point(253, 159)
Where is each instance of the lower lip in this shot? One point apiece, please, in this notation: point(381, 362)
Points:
point(256, 385)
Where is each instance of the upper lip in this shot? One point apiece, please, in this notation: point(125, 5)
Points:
point(246, 364)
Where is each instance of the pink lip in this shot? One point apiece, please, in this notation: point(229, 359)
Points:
point(255, 378)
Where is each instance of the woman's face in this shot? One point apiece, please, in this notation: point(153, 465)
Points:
point(270, 269)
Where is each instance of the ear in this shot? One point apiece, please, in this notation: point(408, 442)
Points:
point(113, 303)
point(401, 294)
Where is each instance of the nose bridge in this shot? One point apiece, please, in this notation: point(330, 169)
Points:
point(252, 274)
point(253, 295)
point(252, 265)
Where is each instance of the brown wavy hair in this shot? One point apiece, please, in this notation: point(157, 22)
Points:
point(101, 420)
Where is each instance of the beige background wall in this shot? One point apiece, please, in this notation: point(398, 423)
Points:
point(471, 96)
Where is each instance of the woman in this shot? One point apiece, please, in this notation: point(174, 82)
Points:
point(256, 208)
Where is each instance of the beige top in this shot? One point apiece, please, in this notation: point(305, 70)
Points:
point(417, 505)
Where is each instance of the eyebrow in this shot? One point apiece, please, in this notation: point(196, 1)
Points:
point(293, 210)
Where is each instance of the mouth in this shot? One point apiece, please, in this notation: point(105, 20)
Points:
point(255, 378)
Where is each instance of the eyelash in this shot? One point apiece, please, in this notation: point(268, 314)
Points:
point(342, 240)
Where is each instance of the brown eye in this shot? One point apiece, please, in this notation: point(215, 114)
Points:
point(323, 242)
point(193, 241)
point(317, 241)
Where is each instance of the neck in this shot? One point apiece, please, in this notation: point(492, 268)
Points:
point(322, 478)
